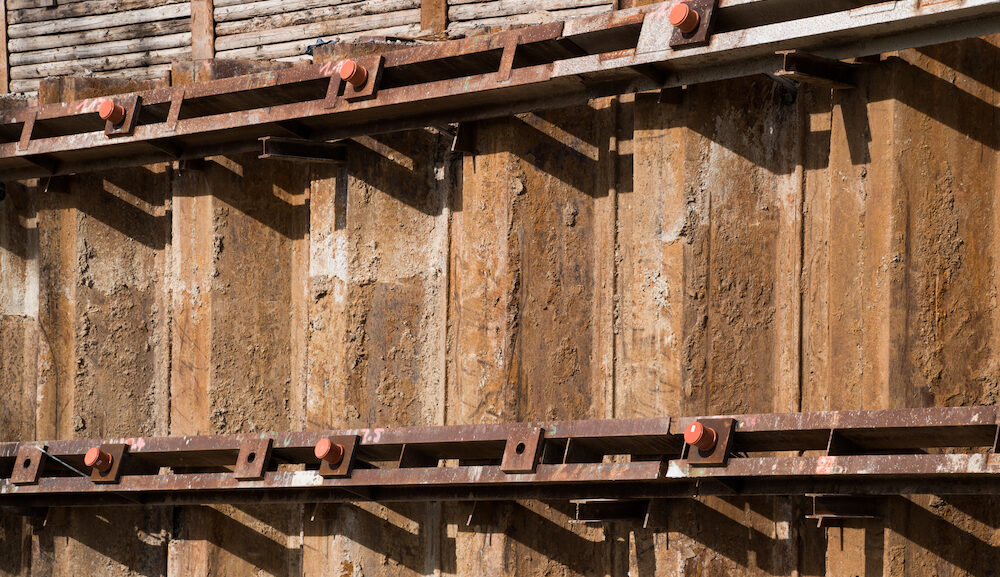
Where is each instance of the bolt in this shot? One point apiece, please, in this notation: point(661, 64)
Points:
point(684, 18)
point(701, 436)
point(98, 459)
point(111, 112)
point(327, 450)
point(353, 73)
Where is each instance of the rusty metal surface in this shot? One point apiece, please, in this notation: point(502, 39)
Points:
point(544, 66)
point(489, 463)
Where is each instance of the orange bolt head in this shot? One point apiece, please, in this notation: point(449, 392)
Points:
point(684, 18)
point(111, 112)
point(700, 436)
point(327, 450)
point(353, 73)
point(97, 459)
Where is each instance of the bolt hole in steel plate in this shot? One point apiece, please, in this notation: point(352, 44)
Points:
point(523, 449)
point(28, 465)
point(254, 454)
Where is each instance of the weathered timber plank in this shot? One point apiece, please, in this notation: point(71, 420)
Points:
point(298, 47)
point(434, 15)
point(156, 72)
point(317, 30)
point(104, 63)
point(329, 13)
point(481, 10)
point(202, 29)
point(244, 10)
point(155, 28)
point(4, 58)
point(61, 12)
point(524, 19)
point(86, 51)
point(182, 10)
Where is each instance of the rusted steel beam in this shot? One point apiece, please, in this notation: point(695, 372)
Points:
point(945, 451)
point(544, 66)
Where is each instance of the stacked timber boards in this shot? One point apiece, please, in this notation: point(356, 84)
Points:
point(139, 39)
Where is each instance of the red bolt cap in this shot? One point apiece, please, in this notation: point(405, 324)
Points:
point(353, 73)
point(327, 450)
point(97, 459)
point(684, 18)
point(111, 111)
point(700, 436)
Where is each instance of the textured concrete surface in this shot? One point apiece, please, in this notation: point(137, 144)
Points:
point(744, 249)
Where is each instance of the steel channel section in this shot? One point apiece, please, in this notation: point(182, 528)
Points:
point(896, 452)
point(733, 52)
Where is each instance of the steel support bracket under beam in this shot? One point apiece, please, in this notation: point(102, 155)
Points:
point(834, 510)
point(811, 69)
point(299, 150)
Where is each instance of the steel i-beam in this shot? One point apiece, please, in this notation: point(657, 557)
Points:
point(604, 465)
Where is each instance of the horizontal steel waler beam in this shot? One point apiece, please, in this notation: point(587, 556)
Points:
point(940, 451)
point(544, 66)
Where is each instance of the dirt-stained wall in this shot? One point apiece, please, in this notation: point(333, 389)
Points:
point(739, 247)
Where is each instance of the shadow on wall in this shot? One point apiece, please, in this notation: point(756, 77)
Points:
point(134, 201)
point(748, 116)
point(727, 532)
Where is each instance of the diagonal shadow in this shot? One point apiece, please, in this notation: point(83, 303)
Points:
point(938, 536)
point(127, 535)
point(384, 537)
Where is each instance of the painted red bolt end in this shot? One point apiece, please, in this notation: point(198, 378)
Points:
point(111, 112)
point(353, 73)
point(327, 450)
point(98, 459)
point(684, 18)
point(700, 436)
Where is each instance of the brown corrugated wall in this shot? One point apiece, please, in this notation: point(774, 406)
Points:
point(746, 249)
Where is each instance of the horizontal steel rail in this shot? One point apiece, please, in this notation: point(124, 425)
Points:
point(526, 69)
point(891, 452)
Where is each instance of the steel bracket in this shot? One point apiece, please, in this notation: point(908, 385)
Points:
point(834, 510)
point(522, 451)
point(410, 456)
point(718, 456)
point(113, 474)
point(26, 130)
point(701, 35)
point(299, 150)
point(342, 469)
point(513, 39)
point(132, 104)
point(608, 510)
point(28, 465)
point(811, 69)
point(253, 458)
